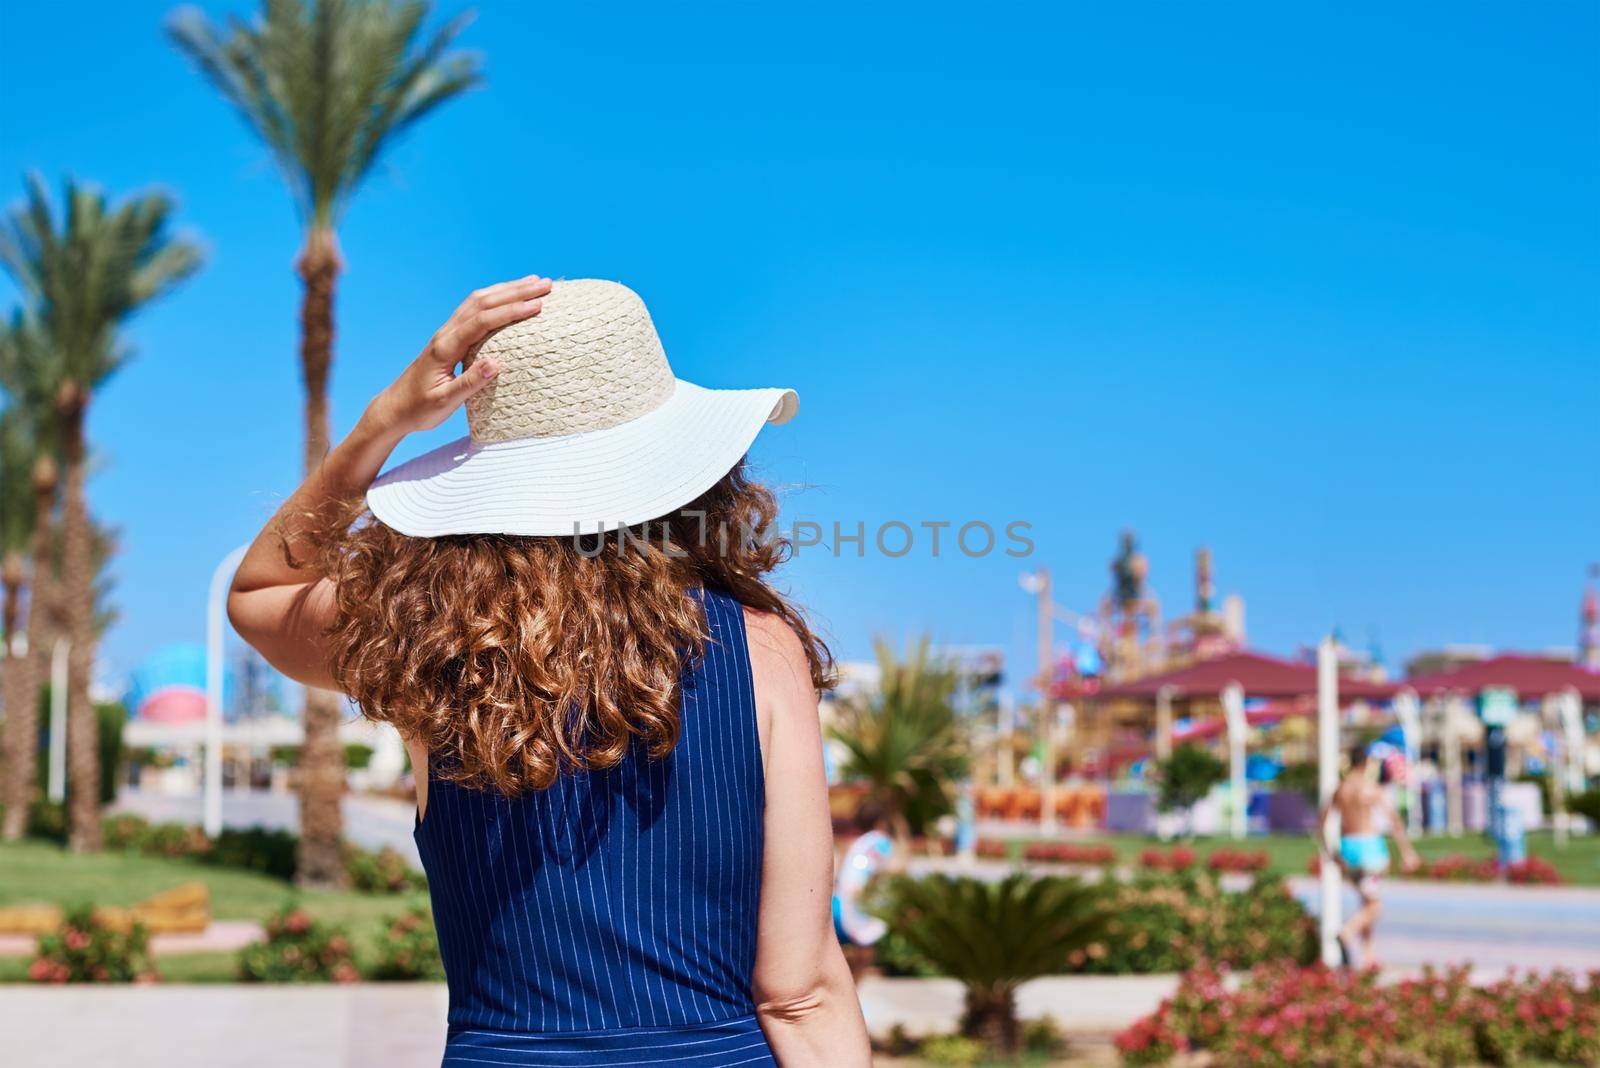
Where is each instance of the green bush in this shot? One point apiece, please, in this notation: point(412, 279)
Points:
point(256, 849)
point(298, 949)
point(87, 951)
point(173, 841)
point(357, 756)
point(124, 831)
point(1170, 923)
point(952, 1050)
point(383, 872)
point(110, 718)
point(1587, 805)
point(47, 820)
point(259, 849)
point(1301, 779)
point(410, 949)
point(1187, 776)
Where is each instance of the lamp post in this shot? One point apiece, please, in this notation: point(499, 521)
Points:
point(216, 602)
point(56, 785)
point(1038, 584)
point(1233, 714)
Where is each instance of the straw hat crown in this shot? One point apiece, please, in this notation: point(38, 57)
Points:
point(589, 360)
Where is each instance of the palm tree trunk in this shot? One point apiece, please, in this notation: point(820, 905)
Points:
point(23, 672)
point(77, 581)
point(18, 702)
point(321, 772)
point(13, 571)
point(991, 1017)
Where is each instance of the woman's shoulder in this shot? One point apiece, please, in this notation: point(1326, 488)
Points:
point(778, 661)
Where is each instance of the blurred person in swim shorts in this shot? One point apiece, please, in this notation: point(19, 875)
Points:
point(870, 854)
point(1365, 818)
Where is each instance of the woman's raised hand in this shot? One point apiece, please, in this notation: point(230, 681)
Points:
point(431, 388)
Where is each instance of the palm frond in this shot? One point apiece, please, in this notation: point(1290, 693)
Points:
point(904, 738)
point(87, 272)
point(328, 84)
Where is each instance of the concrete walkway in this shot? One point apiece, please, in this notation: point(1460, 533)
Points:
point(402, 1025)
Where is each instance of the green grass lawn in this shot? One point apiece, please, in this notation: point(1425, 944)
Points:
point(1578, 862)
point(35, 872)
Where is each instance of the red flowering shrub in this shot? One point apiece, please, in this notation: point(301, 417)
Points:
point(1456, 868)
point(991, 849)
point(85, 950)
point(298, 949)
point(1180, 858)
point(1092, 853)
point(1533, 871)
point(1239, 860)
point(1283, 1016)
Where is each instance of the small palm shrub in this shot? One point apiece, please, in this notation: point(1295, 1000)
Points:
point(298, 949)
point(904, 739)
point(383, 872)
point(410, 949)
point(993, 937)
point(85, 950)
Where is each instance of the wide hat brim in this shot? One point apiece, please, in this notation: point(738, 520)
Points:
point(583, 483)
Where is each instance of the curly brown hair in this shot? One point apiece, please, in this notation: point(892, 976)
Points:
point(518, 659)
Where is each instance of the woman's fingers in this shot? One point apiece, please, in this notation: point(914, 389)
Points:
point(486, 322)
point(532, 285)
point(474, 378)
point(485, 311)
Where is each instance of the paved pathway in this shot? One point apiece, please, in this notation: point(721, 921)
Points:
point(402, 1025)
point(1491, 927)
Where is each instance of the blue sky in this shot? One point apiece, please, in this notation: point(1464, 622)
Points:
point(1312, 284)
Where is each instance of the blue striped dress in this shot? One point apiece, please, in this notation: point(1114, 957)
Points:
point(611, 919)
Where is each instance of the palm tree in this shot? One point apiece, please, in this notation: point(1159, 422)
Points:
point(28, 498)
point(16, 524)
point(904, 738)
point(84, 276)
point(327, 85)
point(994, 936)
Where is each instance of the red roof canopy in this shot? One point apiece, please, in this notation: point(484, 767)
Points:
point(1259, 675)
point(1530, 676)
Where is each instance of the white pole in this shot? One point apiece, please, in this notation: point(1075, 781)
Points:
point(215, 604)
point(1233, 713)
point(1570, 709)
point(1455, 710)
point(1327, 782)
point(1568, 772)
point(1163, 745)
point(1005, 766)
point(57, 788)
point(1408, 710)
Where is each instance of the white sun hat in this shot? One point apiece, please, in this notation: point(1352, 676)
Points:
point(584, 429)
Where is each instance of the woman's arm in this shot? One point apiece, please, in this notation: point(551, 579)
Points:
point(283, 610)
point(805, 998)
